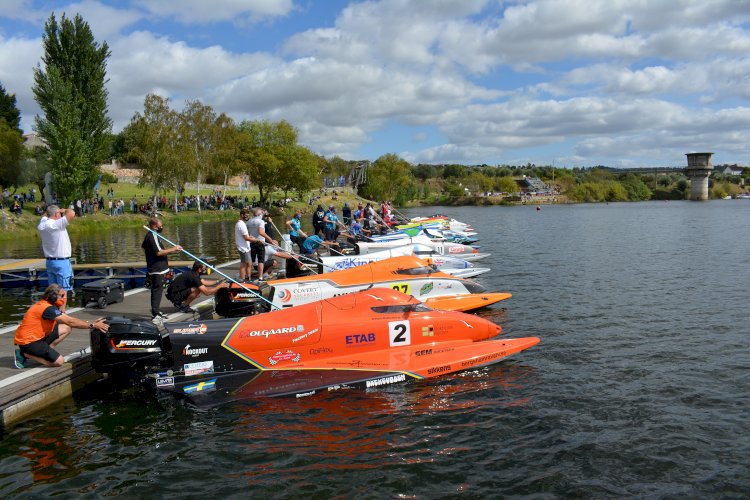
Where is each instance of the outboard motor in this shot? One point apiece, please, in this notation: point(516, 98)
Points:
point(129, 344)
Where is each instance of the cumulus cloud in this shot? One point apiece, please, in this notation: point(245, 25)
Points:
point(200, 11)
point(608, 80)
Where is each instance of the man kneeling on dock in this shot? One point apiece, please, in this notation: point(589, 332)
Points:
point(45, 325)
point(189, 285)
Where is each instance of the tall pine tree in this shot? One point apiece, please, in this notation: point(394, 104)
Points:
point(11, 141)
point(8, 110)
point(70, 90)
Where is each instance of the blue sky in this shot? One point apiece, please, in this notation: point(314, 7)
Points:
point(570, 82)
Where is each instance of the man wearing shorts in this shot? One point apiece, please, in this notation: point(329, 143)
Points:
point(45, 325)
point(53, 231)
point(256, 227)
point(243, 241)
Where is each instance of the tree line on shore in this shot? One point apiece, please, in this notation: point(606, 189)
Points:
point(199, 145)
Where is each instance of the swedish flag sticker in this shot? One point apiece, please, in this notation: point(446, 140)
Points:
point(204, 386)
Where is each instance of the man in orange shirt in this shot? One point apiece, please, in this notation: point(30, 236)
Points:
point(45, 325)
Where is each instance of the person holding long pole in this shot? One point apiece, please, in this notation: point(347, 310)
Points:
point(157, 265)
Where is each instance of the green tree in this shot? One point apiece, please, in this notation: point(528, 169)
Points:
point(505, 184)
point(389, 178)
point(635, 187)
point(264, 146)
point(34, 165)
point(299, 170)
point(11, 150)
point(198, 137)
point(8, 110)
point(70, 91)
point(225, 134)
point(153, 141)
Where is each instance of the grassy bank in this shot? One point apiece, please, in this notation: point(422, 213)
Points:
point(24, 226)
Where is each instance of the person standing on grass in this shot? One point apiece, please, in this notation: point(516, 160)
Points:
point(53, 231)
point(157, 265)
point(44, 326)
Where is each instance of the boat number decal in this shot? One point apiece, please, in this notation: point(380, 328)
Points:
point(399, 333)
point(402, 287)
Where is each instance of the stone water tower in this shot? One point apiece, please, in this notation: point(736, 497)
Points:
point(698, 170)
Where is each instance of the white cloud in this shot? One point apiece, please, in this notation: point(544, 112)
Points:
point(607, 81)
point(18, 57)
point(202, 12)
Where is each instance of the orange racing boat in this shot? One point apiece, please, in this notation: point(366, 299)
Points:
point(407, 274)
point(365, 339)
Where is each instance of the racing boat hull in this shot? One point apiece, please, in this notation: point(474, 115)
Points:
point(364, 339)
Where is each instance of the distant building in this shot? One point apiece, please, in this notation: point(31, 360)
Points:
point(32, 140)
point(532, 185)
point(732, 170)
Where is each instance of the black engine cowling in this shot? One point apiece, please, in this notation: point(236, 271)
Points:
point(128, 344)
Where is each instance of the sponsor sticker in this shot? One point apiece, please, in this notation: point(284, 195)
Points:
point(192, 329)
point(428, 331)
point(198, 368)
point(386, 380)
point(359, 339)
point(426, 288)
point(284, 356)
point(202, 386)
point(439, 369)
point(194, 351)
point(273, 331)
point(130, 343)
point(164, 382)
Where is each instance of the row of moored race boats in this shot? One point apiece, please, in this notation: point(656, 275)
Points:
point(394, 308)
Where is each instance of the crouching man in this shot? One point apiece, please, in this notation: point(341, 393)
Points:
point(189, 285)
point(45, 325)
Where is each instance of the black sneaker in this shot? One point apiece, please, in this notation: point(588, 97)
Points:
point(19, 360)
point(185, 309)
point(160, 315)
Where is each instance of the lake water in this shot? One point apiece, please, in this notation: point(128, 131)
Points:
point(639, 388)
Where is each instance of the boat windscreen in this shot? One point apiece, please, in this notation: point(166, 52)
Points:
point(401, 308)
point(412, 271)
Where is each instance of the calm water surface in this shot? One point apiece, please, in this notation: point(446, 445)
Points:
point(640, 387)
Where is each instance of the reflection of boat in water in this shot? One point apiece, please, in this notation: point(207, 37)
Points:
point(408, 274)
point(366, 339)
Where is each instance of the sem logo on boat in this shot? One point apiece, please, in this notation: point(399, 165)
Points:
point(423, 352)
point(426, 288)
point(192, 329)
point(135, 343)
point(360, 339)
point(188, 351)
point(284, 356)
point(439, 369)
